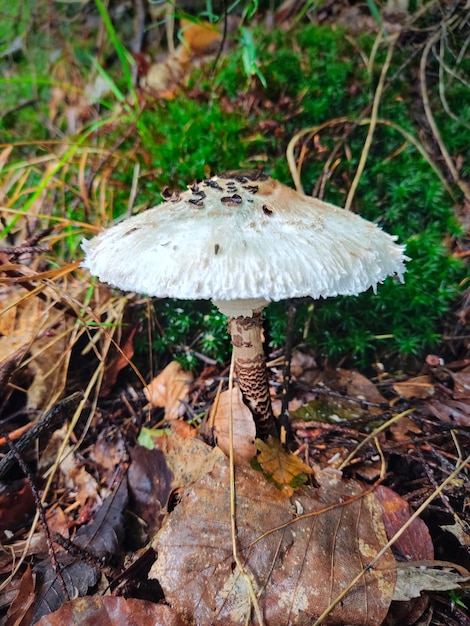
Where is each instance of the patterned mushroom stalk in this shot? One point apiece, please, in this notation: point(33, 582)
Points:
point(243, 240)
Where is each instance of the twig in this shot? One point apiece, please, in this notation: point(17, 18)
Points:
point(50, 421)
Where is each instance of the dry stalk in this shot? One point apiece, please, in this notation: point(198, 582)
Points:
point(463, 186)
point(373, 121)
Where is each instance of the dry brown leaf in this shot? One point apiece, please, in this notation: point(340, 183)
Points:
point(401, 430)
point(452, 412)
point(358, 386)
point(461, 384)
point(298, 565)
point(459, 533)
point(119, 362)
point(35, 327)
point(21, 609)
point(418, 387)
point(111, 611)
point(77, 478)
point(286, 470)
point(415, 542)
point(16, 504)
point(187, 458)
point(201, 38)
point(170, 390)
point(183, 429)
point(244, 429)
point(412, 580)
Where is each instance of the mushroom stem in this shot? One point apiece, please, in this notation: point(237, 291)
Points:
point(250, 369)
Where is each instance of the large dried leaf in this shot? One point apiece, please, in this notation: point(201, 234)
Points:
point(298, 564)
point(451, 412)
point(170, 390)
point(187, 458)
point(414, 543)
point(109, 611)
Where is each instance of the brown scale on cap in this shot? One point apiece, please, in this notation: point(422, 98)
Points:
point(196, 201)
point(232, 200)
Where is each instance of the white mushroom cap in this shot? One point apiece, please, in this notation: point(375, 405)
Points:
point(236, 238)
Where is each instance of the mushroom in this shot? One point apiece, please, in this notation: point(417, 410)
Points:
point(243, 240)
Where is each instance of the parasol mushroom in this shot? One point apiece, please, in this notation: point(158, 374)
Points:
point(243, 240)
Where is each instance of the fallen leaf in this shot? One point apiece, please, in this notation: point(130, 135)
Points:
point(77, 478)
point(170, 390)
point(401, 430)
point(150, 482)
point(16, 504)
point(360, 387)
point(418, 387)
point(231, 406)
point(414, 579)
point(459, 533)
point(78, 576)
point(286, 470)
point(21, 609)
point(187, 458)
point(298, 565)
point(462, 384)
point(119, 362)
point(451, 412)
point(110, 611)
point(414, 543)
point(103, 536)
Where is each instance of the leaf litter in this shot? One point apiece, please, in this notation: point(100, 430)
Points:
point(299, 547)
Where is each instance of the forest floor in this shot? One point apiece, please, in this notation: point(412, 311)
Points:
point(133, 489)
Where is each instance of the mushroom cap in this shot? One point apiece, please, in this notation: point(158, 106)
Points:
point(239, 237)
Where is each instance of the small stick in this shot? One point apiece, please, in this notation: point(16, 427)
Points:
point(51, 420)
